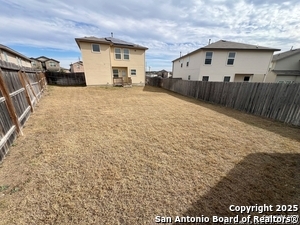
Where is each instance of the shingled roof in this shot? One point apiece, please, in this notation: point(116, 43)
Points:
point(230, 45)
point(285, 54)
point(109, 40)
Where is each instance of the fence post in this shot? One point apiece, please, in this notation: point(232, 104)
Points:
point(10, 105)
point(28, 81)
point(39, 81)
point(26, 91)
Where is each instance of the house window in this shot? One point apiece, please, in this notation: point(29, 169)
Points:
point(115, 73)
point(126, 53)
point(226, 79)
point(95, 48)
point(231, 57)
point(188, 62)
point(33, 63)
point(133, 72)
point(181, 64)
point(208, 58)
point(205, 78)
point(189, 77)
point(117, 53)
point(246, 78)
point(52, 64)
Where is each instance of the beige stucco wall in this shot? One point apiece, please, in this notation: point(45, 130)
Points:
point(136, 61)
point(12, 59)
point(193, 69)
point(246, 62)
point(97, 66)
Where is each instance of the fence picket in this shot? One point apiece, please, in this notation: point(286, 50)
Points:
point(272, 100)
point(15, 101)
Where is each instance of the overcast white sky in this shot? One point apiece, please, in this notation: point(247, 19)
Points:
point(166, 27)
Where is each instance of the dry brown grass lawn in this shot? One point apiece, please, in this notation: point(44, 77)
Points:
point(123, 156)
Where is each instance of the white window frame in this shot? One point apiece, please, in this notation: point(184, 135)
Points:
point(206, 58)
point(230, 58)
point(226, 80)
point(92, 47)
point(126, 54)
point(133, 72)
point(205, 77)
point(118, 53)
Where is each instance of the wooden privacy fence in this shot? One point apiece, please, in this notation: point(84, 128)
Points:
point(65, 79)
point(277, 101)
point(20, 90)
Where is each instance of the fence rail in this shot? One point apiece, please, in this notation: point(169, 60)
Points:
point(20, 89)
point(65, 79)
point(277, 101)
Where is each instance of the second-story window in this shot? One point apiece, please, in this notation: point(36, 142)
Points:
point(126, 53)
point(95, 48)
point(52, 64)
point(117, 53)
point(231, 57)
point(208, 58)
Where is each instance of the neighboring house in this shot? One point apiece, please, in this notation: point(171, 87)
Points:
point(9, 55)
point(46, 64)
point(285, 67)
point(77, 67)
point(64, 70)
point(36, 64)
point(225, 61)
point(164, 74)
point(107, 58)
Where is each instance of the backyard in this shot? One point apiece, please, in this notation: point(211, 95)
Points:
point(129, 155)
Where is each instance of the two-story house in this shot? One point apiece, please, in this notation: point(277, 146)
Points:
point(107, 58)
point(77, 67)
point(46, 64)
point(225, 61)
point(9, 55)
point(285, 67)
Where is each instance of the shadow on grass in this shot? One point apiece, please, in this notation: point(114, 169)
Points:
point(277, 127)
point(271, 179)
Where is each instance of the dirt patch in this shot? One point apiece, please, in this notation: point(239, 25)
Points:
point(125, 155)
